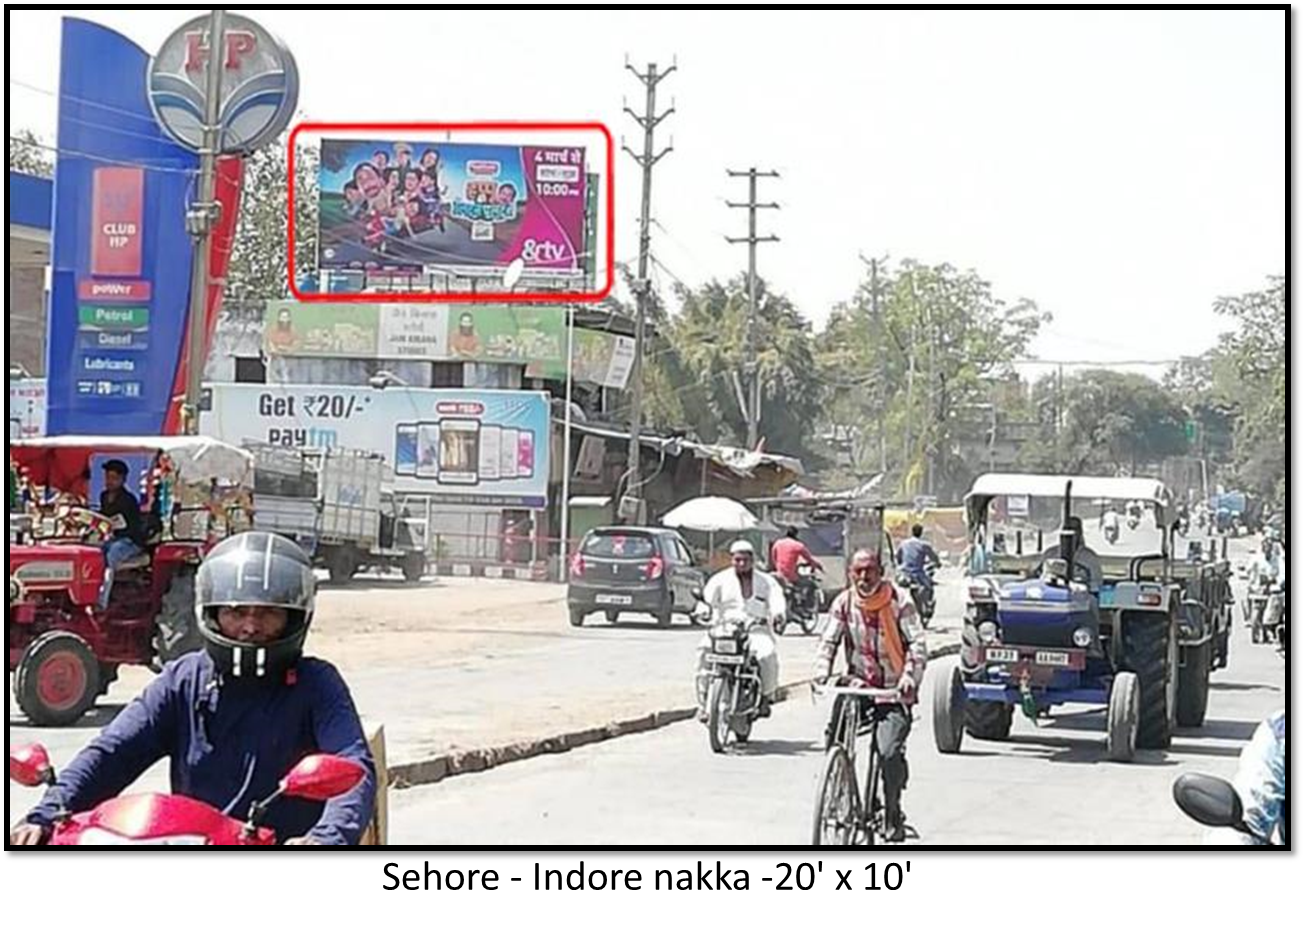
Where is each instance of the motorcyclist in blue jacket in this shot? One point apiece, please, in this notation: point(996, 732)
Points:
point(234, 718)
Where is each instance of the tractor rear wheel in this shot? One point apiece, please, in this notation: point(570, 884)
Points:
point(1193, 685)
point(177, 628)
point(1150, 651)
point(57, 680)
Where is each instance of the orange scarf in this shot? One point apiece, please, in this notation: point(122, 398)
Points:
point(879, 604)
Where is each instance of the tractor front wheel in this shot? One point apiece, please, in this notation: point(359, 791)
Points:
point(57, 680)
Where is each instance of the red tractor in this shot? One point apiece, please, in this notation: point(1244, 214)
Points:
point(64, 648)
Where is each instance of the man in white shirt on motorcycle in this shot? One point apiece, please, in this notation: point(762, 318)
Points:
point(1268, 563)
point(1264, 570)
point(742, 588)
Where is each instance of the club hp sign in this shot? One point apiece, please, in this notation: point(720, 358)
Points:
point(260, 84)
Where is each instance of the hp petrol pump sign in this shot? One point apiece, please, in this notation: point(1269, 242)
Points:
point(260, 84)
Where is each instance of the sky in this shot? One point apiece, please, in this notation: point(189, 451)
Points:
point(1122, 169)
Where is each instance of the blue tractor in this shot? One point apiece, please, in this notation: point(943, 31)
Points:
point(1135, 632)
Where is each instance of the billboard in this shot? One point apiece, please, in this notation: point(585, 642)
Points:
point(533, 337)
point(471, 447)
point(394, 205)
point(26, 408)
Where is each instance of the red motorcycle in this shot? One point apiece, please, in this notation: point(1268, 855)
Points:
point(173, 820)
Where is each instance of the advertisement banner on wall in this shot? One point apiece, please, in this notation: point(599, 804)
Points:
point(534, 337)
point(471, 447)
point(387, 205)
point(26, 408)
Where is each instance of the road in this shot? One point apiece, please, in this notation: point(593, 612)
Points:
point(1049, 784)
point(483, 661)
point(462, 663)
point(1046, 785)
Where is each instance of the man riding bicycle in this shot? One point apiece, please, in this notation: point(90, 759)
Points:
point(883, 642)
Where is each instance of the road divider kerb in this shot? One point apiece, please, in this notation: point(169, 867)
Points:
point(480, 759)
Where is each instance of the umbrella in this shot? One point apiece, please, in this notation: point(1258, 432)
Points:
point(710, 514)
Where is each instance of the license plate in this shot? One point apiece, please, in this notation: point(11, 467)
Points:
point(1052, 659)
point(1002, 655)
point(726, 660)
point(614, 599)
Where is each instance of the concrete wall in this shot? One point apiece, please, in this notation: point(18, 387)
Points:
point(27, 318)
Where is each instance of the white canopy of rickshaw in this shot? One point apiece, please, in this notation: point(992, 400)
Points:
point(1120, 488)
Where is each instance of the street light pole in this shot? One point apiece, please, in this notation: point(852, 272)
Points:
point(200, 219)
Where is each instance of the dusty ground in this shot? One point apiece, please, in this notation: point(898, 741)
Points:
point(379, 622)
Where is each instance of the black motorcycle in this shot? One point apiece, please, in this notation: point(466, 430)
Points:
point(733, 698)
point(924, 594)
point(805, 600)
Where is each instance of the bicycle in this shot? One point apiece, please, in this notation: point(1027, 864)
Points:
point(842, 816)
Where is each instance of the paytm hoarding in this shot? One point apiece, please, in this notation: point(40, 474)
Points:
point(404, 205)
point(474, 447)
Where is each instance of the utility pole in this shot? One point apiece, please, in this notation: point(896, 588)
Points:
point(647, 160)
point(751, 368)
point(1059, 414)
point(200, 220)
point(991, 446)
point(880, 332)
point(934, 408)
point(908, 449)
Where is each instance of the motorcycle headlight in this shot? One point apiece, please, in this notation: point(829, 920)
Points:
point(726, 646)
point(988, 632)
point(1082, 637)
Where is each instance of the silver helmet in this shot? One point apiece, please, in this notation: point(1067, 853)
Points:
point(257, 569)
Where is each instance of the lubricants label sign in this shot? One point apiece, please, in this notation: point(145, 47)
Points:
point(118, 204)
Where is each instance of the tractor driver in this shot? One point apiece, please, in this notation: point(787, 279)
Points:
point(1085, 560)
point(119, 505)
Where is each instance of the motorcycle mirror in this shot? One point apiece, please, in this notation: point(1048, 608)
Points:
point(1209, 800)
point(30, 765)
point(321, 777)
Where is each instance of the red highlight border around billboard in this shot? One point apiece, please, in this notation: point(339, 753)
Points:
point(548, 296)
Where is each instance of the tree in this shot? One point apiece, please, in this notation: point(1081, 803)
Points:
point(28, 155)
point(1252, 375)
point(1212, 413)
point(259, 260)
point(911, 375)
point(1112, 424)
point(694, 377)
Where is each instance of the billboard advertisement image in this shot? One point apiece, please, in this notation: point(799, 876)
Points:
point(474, 447)
point(530, 336)
point(394, 205)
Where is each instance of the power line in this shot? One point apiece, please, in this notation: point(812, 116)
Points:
point(100, 158)
point(149, 120)
point(1031, 361)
